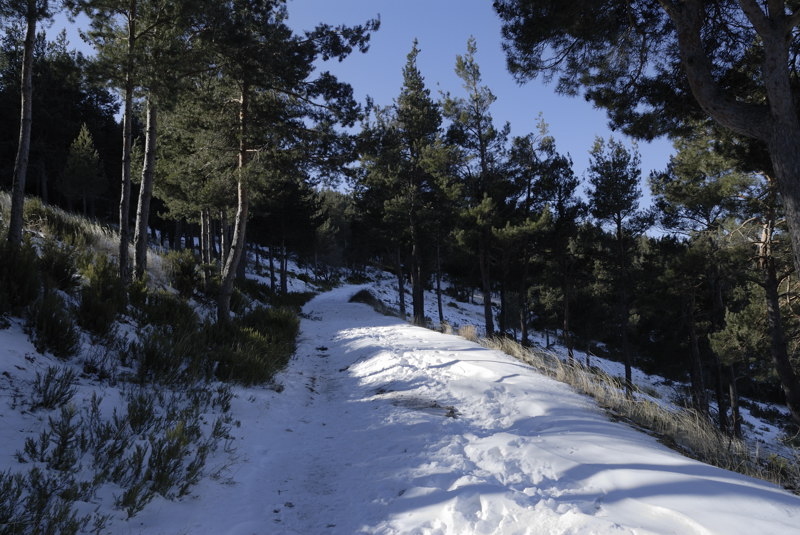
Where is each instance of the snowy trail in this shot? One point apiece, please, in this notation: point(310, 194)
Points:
point(388, 428)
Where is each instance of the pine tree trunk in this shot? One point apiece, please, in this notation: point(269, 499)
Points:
point(232, 258)
point(417, 289)
point(699, 397)
point(486, 288)
point(284, 268)
point(439, 283)
point(734, 399)
point(146, 193)
point(780, 357)
point(401, 287)
point(24, 143)
point(127, 135)
point(565, 327)
point(272, 267)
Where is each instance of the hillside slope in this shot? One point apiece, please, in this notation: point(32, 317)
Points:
point(388, 428)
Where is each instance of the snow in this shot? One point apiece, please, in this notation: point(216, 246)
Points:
point(387, 428)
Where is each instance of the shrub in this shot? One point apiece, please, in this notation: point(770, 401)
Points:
point(183, 271)
point(166, 357)
point(59, 265)
point(102, 298)
point(164, 309)
point(254, 351)
point(57, 223)
point(51, 326)
point(53, 389)
point(19, 277)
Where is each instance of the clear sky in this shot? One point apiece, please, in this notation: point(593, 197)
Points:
point(442, 28)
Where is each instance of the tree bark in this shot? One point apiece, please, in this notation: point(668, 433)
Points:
point(780, 357)
point(146, 193)
point(25, 125)
point(234, 255)
point(486, 287)
point(401, 287)
point(439, 282)
point(125, 193)
point(417, 288)
point(699, 397)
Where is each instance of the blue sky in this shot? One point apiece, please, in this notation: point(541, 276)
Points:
point(442, 28)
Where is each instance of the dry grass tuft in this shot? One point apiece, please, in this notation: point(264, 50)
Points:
point(680, 428)
point(468, 332)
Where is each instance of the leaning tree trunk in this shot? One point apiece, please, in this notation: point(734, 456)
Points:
point(439, 282)
point(146, 193)
point(234, 255)
point(26, 120)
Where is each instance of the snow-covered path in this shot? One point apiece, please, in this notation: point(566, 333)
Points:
point(388, 428)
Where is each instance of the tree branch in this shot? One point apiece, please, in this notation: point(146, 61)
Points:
point(751, 120)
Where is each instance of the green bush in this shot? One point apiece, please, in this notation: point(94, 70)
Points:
point(51, 327)
point(164, 309)
point(166, 357)
point(243, 355)
point(183, 271)
point(281, 325)
point(102, 298)
point(20, 281)
point(255, 349)
point(59, 265)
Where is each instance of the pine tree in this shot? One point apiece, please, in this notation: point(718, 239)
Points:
point(614, 175)
point(82, 179)
point(483, 147)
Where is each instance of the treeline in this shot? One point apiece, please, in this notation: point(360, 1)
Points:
point(697, 287)
point(235, 135)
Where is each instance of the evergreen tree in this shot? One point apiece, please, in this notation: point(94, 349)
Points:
point(614, 175)
point(483, 147)
point(266, 71)
point(555, 194)
point(82, 179)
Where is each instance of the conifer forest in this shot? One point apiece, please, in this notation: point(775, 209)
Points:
point(204, 139)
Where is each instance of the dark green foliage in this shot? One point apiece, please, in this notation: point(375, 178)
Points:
point(184, 273)
point(166, 357)
point(254, 350)
point(19, 277)
point(59, 265)
point(166, 310)
point(51, 325)
point(53, 389)
point(103, 297)
point(263, 293)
